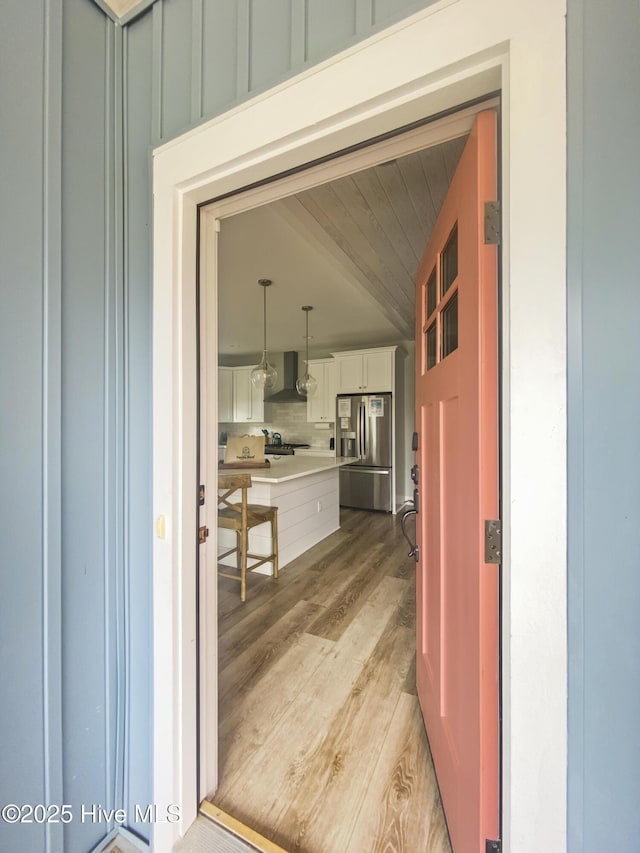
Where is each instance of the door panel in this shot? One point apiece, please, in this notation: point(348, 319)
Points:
point(457, 417)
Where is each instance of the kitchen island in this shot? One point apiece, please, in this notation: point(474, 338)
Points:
point(306, 492)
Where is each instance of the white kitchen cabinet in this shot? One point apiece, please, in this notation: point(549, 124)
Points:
point(322, 406)
point(225, 394)
point(371, 371)
point(248, 401)
point(348, 373)
point(378, 370)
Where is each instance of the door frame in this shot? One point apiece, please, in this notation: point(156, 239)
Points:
point(511, 45)
point(434, 132)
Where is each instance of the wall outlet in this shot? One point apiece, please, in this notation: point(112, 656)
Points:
point(319, 506)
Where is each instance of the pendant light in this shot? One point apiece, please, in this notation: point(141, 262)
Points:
point(264, 374)
point(307, 386)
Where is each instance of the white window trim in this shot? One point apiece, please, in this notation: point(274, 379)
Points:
point(447, 53)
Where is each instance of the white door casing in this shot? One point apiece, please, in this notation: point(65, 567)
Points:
point(513, 45)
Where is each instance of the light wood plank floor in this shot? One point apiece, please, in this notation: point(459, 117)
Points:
point(322, 745)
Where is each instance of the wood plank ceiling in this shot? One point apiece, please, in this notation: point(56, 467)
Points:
point(378, 222)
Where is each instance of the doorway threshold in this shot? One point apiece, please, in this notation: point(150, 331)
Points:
point(239, 829)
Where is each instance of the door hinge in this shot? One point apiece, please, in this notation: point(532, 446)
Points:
point(492, 541)
point(492, 222)
point(201, 493)
point(203, 534)
point(493, 846)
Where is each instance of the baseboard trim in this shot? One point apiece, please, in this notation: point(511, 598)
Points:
point(217, 815)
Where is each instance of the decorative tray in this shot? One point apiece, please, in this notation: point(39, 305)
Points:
point(226, 465)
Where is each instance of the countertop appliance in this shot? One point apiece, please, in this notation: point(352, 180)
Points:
point(282, 449)
point(364, 433)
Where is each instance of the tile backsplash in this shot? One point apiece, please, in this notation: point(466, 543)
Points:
point(290, 420)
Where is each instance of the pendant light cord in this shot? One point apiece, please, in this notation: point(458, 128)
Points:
point(264, 317)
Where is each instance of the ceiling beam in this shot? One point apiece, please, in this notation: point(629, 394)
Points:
point(399, 314)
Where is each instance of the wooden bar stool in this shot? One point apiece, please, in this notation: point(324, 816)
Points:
point(241, 517)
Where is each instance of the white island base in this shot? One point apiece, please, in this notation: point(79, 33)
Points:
point(306, 492)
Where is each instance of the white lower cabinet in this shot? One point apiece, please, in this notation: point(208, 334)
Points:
point(322, 406)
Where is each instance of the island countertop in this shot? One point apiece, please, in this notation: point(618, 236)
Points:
point(292, 467)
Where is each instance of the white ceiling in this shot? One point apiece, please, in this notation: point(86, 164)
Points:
point(350, 248)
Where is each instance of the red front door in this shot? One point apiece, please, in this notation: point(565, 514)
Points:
point(457, 422)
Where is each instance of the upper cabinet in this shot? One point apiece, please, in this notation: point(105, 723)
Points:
point(248, 401)
point(239, 400)
point(370, 371)
point(322, 406)
point(225, 394)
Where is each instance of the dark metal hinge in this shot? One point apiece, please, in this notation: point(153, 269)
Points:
point(493, 541)
point(201, 493)
point(492, 222)
point(493, 846)
point(203, 534)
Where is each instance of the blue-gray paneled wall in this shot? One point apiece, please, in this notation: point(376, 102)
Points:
point(30, 709)
point(63, 416)
point(82, 103)
point(92, 418)
point(137, 347)
point(208, 55)
point(604, 425)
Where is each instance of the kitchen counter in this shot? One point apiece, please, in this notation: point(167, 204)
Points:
point(306, 491)
point(285, 468)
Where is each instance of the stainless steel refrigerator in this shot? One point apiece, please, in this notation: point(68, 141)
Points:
point(364, 432)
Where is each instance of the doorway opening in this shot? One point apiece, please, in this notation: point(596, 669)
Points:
point(248, 245)
point(350, 98)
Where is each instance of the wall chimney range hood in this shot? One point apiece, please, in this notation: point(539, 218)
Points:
point(288, 394)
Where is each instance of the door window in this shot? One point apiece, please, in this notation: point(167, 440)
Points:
point(441, 304)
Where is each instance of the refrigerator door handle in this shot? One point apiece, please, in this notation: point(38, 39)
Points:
point(365, 449)
point(360, 445)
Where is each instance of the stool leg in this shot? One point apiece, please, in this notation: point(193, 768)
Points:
point(274, 543)
point(244, 547)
